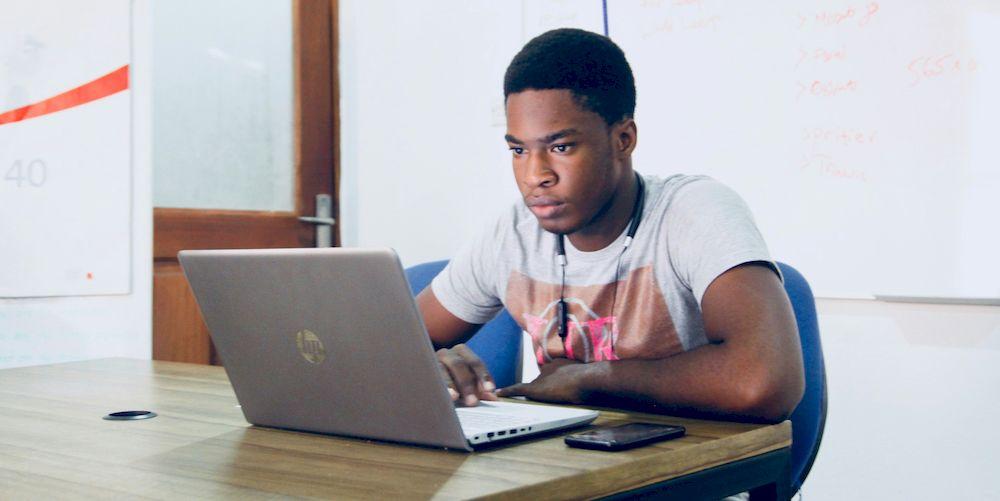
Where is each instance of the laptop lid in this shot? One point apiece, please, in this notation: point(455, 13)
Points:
point(324, 340)
point(359, 362)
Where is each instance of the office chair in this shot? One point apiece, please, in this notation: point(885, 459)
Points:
point(497, 343)
point(809, 417)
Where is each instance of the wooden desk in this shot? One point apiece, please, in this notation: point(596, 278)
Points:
point(53, 443)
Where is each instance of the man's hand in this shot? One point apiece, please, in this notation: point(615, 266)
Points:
point(558, 382)
point(467, 376)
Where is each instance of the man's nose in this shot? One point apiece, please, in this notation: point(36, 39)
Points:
point(540, 171)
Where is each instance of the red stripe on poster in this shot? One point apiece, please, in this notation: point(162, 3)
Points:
point(109, 84)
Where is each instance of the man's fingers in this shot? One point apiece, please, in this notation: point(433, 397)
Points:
point(478, 367)
point(470, 379)
point(485, 394)
point(462, 376)
point(447, 378)
point(515, 390)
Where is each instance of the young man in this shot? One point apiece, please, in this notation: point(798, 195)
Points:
point(636, 291)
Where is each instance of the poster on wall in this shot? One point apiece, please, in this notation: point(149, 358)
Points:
point(65, 148)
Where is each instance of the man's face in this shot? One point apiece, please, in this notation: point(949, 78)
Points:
point(564, 160)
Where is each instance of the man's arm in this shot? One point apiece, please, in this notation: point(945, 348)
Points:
point(446, 330)
point(751, 368)
point(465, 373)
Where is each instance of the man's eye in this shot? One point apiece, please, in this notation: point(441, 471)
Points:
point(562, 148)
point(517, 151)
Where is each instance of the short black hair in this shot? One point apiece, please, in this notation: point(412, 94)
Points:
point(589, 65)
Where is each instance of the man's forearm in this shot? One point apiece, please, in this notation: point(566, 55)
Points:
point(704, 381)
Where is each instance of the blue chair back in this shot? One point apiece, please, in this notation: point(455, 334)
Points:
point(809, 418)
point(497, 343)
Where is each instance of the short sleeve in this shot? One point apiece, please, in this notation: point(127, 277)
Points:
point(467, 286)
point(710, 230)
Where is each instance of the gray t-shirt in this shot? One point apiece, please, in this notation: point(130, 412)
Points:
point(643, 303)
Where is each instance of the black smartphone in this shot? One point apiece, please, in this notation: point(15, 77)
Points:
point(625, 436)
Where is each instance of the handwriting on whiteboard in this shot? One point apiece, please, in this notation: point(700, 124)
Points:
point(680, 15)
point(824, 147)
point(671, 24)
point(827, 88)
point(837, 136)
point(820, 56)
point(859, 16)
point(927, 67)
point(826, 165)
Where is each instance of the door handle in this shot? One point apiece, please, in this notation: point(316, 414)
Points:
point(318, 220)
point(323, 220)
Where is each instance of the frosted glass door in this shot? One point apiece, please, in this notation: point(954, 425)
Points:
point(223, 105)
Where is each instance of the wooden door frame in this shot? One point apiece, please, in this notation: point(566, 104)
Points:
point(183, 336)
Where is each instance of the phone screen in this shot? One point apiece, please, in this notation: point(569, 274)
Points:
point(623, 436)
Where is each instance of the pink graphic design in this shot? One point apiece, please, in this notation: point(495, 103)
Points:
point(598, 336)
point(639, 327)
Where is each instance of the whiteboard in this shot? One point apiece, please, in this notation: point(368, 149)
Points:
point(862, 134)
point(65, 174)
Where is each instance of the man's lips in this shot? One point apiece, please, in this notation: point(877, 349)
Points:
point(545, 207)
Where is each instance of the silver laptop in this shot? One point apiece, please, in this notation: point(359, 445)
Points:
point(331, 341)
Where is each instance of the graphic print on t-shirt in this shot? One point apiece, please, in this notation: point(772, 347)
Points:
point(640, 326)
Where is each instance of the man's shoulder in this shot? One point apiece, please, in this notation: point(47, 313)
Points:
point(682, 202)
point(663, 192)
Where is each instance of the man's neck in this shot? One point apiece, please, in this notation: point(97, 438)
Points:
point(610, 221)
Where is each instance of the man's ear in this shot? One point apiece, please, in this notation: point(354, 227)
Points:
point(625, 136)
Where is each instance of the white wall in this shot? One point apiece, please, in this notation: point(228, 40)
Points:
point(913, 402)
point(414, 179)
point(912, 387)
point(48, 330)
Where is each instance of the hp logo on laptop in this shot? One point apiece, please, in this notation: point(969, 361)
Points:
point(310, 346)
